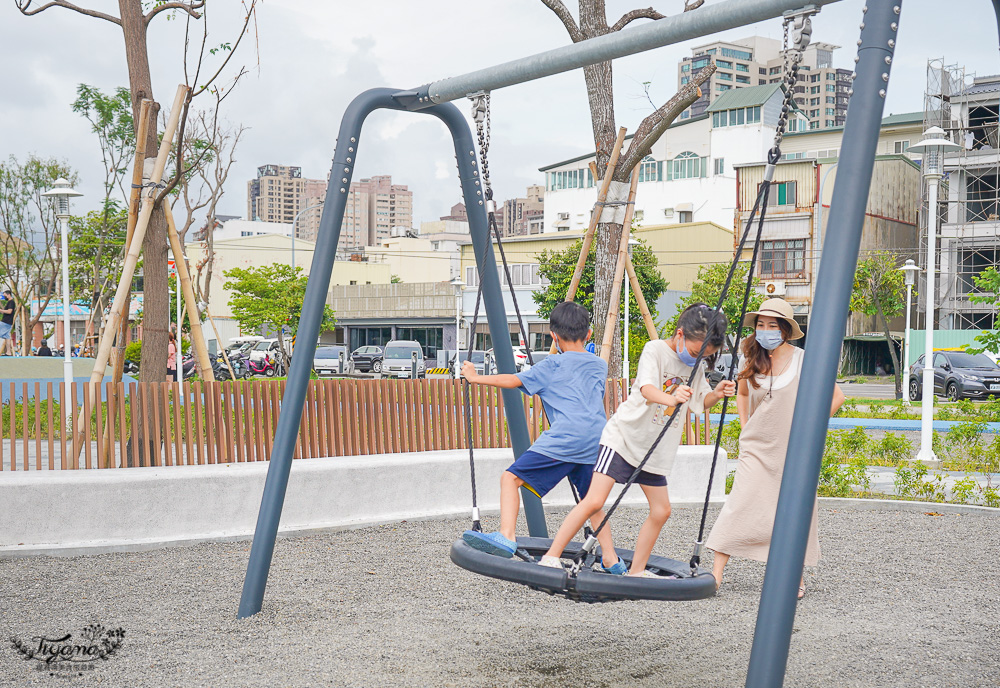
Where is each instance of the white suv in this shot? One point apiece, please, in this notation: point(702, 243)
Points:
point(397, 359)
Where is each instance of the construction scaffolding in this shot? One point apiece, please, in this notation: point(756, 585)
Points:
point(967, 108)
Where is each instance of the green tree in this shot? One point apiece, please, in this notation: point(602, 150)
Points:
point(96, 244)
point(988, 292)
point(879, 291)
point(29, 235)
point(558, 266)
point(270, 297)
point(110, 118)
point(707, 288)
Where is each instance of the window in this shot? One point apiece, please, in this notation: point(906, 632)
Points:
point(814, 101)
point(742, 79)
point(775, 70)
point(830, 100)
point(687, 165)
point(699, 63)
point(814, 77)
point(650, 170)
point(685, 79)
point(814, 113)
point(720, 166)
point(724, 64)
point(685, 216)
point(783, 193)
point(724, 76)
point(829, 123)
point(762, 70)
point(830, 111)
point(737, 54)
point(740, 114)
point(814, 89)
point(685, 67)
point(639, 215)
point(761, 82)
point(900, 147)
point(722, 87)
point(830, 76)
point(831, 88)
point(786, 258)
point(742, 67)
point(753, 114)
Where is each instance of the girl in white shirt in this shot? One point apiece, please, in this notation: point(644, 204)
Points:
point(659, 390)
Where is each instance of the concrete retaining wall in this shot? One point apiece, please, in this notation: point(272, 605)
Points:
point(76, 511)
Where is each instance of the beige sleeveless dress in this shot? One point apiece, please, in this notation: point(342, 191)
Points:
point(744, 526)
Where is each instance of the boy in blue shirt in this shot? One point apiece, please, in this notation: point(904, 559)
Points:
point(571, 386)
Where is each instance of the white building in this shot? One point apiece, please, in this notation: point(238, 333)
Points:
point(689, 175)
point(234, 229)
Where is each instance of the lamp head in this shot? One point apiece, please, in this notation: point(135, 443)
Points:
point(932, 146)
point(61, 192)
point(910, 271)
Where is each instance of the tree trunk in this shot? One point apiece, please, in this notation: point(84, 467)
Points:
point(156, 299)
point(892, 347)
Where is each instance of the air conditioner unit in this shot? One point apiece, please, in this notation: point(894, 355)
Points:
point(774, 288)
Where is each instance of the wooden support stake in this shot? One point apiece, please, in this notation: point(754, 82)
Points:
point(647, 319)
point(595, 216)
point(616, 287)
point(122, 294)
point(218, 341)
point(197, 337)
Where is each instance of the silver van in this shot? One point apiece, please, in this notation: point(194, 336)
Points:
point(397, 359)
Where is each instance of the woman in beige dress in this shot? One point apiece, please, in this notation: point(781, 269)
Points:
point(765, 399)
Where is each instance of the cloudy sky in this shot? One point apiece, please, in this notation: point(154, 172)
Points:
point(308, 58)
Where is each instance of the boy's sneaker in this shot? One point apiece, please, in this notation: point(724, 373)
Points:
point(618, 569)
point(491, 543)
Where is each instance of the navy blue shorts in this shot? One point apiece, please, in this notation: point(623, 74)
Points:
point(540, 473)
point(611, 464)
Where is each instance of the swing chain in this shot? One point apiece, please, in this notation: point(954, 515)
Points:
point(481, 116)
point(800, 24)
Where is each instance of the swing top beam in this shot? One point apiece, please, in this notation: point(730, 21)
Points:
point(706, 20)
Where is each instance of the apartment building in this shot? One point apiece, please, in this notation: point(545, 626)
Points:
point(523, 216)
point(689, 174)
point(822, 90)
point(279, 192)
point(374, 207)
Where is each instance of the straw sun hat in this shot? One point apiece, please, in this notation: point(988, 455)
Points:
point(775, 308)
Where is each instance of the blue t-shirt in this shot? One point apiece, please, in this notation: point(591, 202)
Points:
point(571, 386)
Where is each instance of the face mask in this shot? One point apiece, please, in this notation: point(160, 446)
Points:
point(558, 348)
point(685, 355)
point(769, 339)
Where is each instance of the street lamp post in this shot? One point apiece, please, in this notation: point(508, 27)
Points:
point(910, 275)
point(457, 282)
point(932, 147)
point(295, 230)
point(61, 193)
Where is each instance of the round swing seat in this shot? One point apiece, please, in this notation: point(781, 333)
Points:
point(673, 584)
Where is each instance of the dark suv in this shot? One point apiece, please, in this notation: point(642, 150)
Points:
point(957, 375)
point(367, 359)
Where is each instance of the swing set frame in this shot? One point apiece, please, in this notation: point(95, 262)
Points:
point(876, 46)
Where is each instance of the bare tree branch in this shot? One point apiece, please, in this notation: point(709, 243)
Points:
point(232, 51)
point(186, 7)
point(565, 17)
point(654, 125)
point(629, 17)
point(692, 4)
point(25, 7)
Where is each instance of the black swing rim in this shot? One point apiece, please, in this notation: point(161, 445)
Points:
point(587, 586)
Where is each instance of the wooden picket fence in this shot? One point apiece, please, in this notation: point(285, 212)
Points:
point(201, 423)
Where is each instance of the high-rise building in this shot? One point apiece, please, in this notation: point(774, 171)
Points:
point(374, 207)
point(276, 194)
point(821, 90)
point(523, 216)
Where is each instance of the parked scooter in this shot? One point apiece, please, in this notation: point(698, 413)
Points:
point(265, 366)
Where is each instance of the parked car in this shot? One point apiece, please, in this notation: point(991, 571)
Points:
point(520, 357)
point(957, 375)
point(397, 358)
point(327, 360)
point(718, 372)
point(478, 360)
point(242, 344)
point(265, 347)
point(367, 359)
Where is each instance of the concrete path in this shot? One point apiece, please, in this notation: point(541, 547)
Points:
point(891, 604)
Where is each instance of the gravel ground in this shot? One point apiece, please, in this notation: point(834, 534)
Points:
point(900, 599)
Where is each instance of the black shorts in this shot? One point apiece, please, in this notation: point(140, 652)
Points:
point(611, 464)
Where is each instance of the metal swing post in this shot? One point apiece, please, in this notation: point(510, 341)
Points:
point(776, 615)
point(276, 484)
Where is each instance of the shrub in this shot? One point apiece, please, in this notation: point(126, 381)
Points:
point(731, 438)
point(964, 490)
point(893, 449)
point(729, 481)
point(133, 352)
